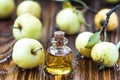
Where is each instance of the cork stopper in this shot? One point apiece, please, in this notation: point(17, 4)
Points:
point(59, 37)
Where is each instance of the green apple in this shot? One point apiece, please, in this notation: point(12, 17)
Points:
point(105, 53)
point(27, 26)
point(28, 53)
point(29, 6)
point(68, 20)
point(81, 41)
point(7, 7)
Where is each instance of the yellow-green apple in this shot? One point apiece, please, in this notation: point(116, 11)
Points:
point(105, 53)
point(28, 53)
point(100, 18)
point(7, 7)
point(29, 6)
point(68, 20)
point(81, 42)
point(27, 26)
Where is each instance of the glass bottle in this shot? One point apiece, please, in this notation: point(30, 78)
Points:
point(59, 55)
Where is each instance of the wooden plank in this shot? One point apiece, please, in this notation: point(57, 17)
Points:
point(83, 69)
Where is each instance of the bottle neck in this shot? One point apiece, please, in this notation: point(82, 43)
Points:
point(59, 42)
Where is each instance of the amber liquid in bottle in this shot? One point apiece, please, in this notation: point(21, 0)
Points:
point(59, 64)
point(59, 59)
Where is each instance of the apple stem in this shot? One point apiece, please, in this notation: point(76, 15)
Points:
point(105, 35)
point(108, 15)
point(114, 9)
point(16, 27)
point(86, 7)
point(19, 27)
point(34, 51)
point(87, 24)
point(102, 22)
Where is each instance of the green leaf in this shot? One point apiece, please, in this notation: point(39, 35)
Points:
point(81, 17)
point(94, 39)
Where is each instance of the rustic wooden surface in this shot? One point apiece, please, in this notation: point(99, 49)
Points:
point(83, 69)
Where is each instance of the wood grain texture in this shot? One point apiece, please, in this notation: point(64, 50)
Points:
point(83, 69)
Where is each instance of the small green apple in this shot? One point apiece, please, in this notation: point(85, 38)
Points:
point(105, 53)
point(68, 21)
point(28, 53)
point(29, 6)
point(81, 41)
point(27, 26)
point(7, 7)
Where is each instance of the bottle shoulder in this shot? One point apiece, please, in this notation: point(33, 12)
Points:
point(59, 51)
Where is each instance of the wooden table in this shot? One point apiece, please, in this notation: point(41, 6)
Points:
point(83, 69)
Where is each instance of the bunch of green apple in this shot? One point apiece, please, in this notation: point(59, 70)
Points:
point(7, 7)
point(28, 53)
point(27, 29)
point(27, 26)
point(89, 45)
point(29, 6)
